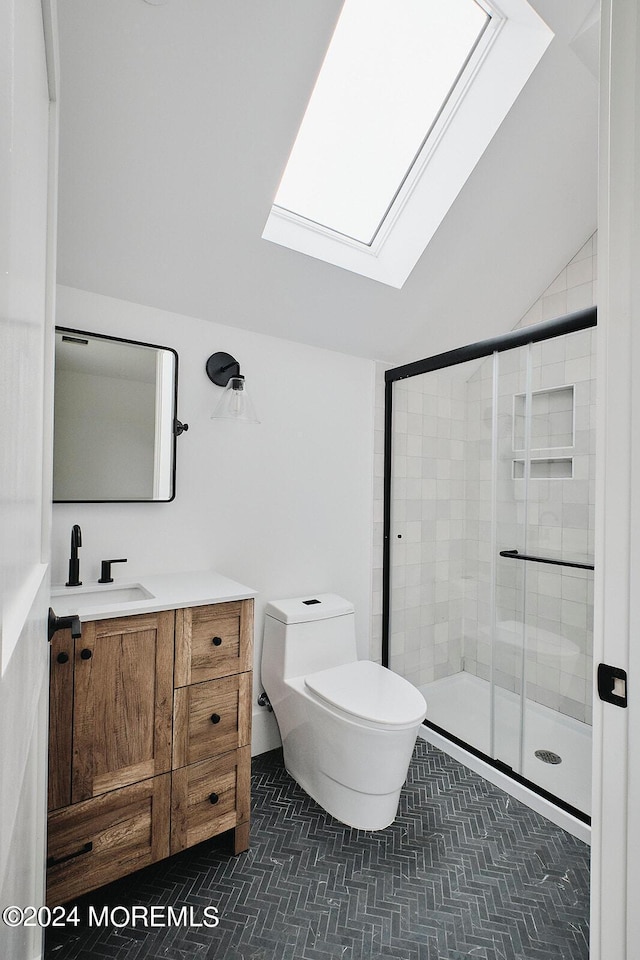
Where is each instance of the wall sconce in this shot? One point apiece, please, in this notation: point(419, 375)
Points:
point(235, 403)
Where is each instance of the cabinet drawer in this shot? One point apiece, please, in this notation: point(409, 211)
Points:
point(210, 797)
point(211, 718)
point(98, 840)
point(213, 641)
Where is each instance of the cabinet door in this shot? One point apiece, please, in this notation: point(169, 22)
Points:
point(211, 718)
point(213, 641)
point(107, 837)
point(122, 702)
point(60, 719)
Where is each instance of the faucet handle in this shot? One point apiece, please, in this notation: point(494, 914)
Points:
point(105, 570)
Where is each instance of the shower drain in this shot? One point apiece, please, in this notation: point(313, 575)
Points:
point(548, 756)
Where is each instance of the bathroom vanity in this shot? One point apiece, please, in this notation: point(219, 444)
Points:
point(150, 727)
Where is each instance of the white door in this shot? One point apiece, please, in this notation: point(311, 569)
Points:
point(27, 227)
point(615, 915)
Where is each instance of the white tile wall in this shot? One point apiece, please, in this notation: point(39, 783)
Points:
point(441, 552)
point(428, 517)
point(559, 515)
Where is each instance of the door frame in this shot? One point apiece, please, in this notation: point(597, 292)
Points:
point(615, 874)
point(30, 125)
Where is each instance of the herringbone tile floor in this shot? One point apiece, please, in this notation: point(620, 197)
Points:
point(464, 873)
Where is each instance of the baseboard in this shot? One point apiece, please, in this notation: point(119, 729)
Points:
point(265, 734)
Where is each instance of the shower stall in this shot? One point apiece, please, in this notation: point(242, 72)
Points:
point(488, 548)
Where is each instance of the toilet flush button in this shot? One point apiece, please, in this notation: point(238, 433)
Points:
point(309, 602)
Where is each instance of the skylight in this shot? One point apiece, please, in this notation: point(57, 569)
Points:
point(410, 95)
point(387, 75)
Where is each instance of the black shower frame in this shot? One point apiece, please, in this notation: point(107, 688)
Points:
point(547, 330)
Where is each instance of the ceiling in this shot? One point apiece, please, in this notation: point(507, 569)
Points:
point(176, 124)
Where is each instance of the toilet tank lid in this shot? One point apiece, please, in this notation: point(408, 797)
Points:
point(315, 606)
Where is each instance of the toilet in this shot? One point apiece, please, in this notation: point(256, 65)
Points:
point(348, 726)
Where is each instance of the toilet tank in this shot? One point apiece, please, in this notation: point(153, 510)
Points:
point(307, 634)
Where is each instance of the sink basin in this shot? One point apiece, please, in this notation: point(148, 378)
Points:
point(80, 597)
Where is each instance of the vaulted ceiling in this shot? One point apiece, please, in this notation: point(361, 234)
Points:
point(177, 121)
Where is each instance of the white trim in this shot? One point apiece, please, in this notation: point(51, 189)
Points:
point(265, 734)
point(615, 877)
point(50, 28)
point(514, 42)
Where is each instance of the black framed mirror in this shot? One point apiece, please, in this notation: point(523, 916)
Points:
point(114, 419)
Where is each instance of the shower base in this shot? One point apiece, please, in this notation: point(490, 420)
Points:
point(460, 704)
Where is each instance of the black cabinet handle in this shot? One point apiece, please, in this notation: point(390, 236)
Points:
point(53, 861)
point(62, 657)
point(86, 654)
point(215, 718)
point(216, 641)
point(213, 798)
point(63, 623)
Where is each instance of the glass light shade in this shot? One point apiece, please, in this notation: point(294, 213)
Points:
point(235, 403)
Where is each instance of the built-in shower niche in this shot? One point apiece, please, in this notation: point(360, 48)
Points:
point(552, 421)
point(551, 427)
point(545, 468)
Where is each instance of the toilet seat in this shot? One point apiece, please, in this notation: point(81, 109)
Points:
point(370, 692)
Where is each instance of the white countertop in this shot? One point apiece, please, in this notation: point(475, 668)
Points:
point(168, 591)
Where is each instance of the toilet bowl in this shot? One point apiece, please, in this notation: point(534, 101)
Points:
point(348, 726)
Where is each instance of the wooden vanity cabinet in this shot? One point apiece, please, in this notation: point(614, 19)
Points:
point(140, 766)
point(210, 789)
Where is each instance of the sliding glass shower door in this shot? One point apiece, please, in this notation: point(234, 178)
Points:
point(490, 547)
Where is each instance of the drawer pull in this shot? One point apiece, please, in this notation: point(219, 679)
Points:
point(215, 718)
point(53, 861)
point(62, 657)
point(213, 798)
point(216, 641)
point(86, 654)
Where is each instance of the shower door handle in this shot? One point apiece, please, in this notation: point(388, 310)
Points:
point(516, 555)
point(612, 684)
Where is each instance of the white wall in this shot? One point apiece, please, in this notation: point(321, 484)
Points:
point(283, 506)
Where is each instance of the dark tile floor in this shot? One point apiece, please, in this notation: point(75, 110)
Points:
point(464, 873)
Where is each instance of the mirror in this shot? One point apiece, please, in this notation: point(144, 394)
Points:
point(114, 419)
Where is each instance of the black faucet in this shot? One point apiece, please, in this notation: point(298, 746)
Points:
point(74, 564)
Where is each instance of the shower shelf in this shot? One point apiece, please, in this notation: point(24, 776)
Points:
point(516, 555)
